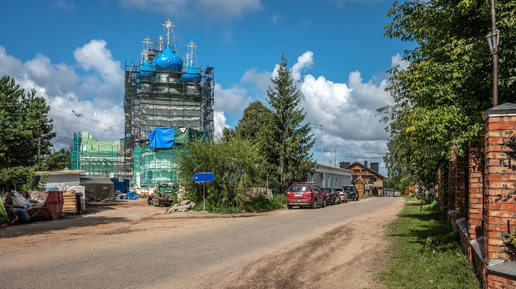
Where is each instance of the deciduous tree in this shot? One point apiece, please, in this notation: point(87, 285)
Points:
point(441, 96)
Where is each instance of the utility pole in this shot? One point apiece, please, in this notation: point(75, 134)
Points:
point(78, 115)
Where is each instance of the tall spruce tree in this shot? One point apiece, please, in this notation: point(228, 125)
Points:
point(286, 139)
point(26, 131)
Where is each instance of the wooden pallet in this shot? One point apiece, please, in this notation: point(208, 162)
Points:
point(70, 203)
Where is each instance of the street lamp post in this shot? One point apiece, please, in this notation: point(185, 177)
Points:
point(493, 39)
point(78, 115)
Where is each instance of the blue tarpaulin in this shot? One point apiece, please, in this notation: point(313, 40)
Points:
point(161, 138)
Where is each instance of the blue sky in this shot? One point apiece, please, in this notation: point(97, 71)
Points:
point(73, 53)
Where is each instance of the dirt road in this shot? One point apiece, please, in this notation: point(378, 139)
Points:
point(137, 246)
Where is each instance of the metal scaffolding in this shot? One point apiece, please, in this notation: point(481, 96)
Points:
point(162, 97)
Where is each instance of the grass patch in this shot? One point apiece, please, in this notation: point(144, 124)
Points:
point(262, 204)
point(425, 252)
point(257, 204)
point(366, 196)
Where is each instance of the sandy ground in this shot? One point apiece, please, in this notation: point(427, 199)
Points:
point(346, 256)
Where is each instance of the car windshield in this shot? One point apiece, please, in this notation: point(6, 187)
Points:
point(338, 189)
point(299, 188)
point(326, 190)
point(348, 189)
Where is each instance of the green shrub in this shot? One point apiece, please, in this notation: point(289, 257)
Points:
point(236, 164)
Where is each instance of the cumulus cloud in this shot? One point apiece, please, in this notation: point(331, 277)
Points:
point(397, 60)
point(219, 9)
point(304, 63)
point(93, 93)
point(220, 123)
point(232, 100)
point(262, 80)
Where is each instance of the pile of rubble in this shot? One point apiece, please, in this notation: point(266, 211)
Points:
point(184, 206)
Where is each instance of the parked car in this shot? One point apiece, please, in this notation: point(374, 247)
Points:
point(331, 196)
point(305, 194)
point(343, 197)
point(352, 192)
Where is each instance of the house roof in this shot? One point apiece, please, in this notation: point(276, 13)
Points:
point(64, 172)
point(365, 168)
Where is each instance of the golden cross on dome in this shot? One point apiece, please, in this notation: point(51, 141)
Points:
point(187, 57)
point(147, 42)
point(160, 41)
point(192, 46)
point(169, 25)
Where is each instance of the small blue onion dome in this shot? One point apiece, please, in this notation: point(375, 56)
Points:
point(191, 74)
point(146, 66)
point(168, 59)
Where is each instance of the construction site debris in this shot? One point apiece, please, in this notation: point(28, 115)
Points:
point(182, 207)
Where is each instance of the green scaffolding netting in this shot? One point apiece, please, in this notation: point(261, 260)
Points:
point(99, 157)
point(160, 165)
point(149, 165)
point(154, 165)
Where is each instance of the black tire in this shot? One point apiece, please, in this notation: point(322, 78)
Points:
point(289, 207)
point(356, 199)
point(324, 203)
point(314, 206)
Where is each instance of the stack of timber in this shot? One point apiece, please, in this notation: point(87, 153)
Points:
point(70, 203)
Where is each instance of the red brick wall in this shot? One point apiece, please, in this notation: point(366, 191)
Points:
point(460, 189)
point(499, 186)
point(500, 282)
point(452, 173)
point(475, 189)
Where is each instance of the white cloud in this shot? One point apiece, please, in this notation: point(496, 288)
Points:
point(220, 123)
point(95, 56)
point(304, 63)
point(397, 60)
point(219, 9)
point(262, 80)
point(233, 100)
point(95, 93)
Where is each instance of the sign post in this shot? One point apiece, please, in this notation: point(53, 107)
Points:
point(204, 178)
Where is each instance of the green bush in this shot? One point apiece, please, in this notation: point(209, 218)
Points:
point(261, 204)
point(236, 164)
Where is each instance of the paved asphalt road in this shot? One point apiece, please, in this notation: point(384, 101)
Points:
point(160, 253)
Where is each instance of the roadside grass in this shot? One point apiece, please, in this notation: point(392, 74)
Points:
point(367, 195)
point(255, 205)
point(425, 252)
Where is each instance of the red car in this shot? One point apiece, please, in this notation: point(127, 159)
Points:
point(305, 194)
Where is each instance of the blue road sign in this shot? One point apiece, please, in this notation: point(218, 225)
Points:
point(204, 177)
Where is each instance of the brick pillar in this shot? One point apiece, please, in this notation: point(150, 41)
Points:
point(499, 181)
point(476, 179)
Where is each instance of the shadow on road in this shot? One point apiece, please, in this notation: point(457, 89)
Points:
point(91, 218)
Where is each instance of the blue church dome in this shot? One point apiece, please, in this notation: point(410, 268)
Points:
point(168, 59)
point(191, 74)
point(146, 66)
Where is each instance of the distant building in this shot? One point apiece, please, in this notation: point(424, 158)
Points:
point(366, 180)
point(330, 176)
